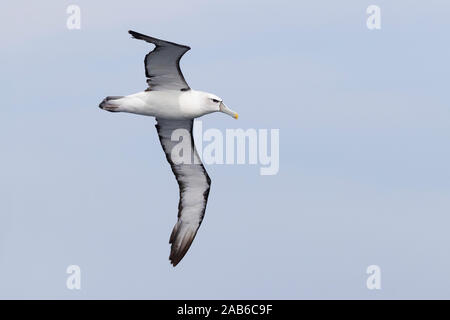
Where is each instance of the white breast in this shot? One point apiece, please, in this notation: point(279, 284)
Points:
point(173, 104)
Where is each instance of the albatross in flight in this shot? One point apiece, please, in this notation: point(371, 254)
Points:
point(174, 104)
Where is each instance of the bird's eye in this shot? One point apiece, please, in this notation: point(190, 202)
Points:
point(215, 100)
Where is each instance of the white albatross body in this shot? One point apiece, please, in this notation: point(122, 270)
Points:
point(168, 104)
point(174, 104)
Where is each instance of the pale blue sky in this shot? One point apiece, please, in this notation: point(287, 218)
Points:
point(364, 160)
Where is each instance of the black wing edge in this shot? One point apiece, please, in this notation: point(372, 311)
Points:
point(161, 43)
point(177, 255)
point(155, 41)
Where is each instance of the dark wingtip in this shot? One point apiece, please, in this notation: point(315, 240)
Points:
point(175, 257)
point(156, 41)
point(174, 263)
point(140, 36)
point(134, 34)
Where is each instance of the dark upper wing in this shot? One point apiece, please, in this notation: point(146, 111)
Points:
point(192, 179)
point(162, 65)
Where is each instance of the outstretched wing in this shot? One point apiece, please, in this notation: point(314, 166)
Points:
point(192, 179)
point(162, 65)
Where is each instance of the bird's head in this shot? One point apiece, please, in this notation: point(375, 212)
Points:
point(215, 104)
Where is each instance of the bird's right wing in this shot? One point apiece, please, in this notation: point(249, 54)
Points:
point(193, 181)
point(162, 65)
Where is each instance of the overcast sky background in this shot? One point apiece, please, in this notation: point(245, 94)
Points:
point(364, 151)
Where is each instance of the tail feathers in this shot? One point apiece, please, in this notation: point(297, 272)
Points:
point(113, 97)
point(108, 104)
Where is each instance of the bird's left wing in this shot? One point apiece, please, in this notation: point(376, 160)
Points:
point(193, 181)
point(162, 65)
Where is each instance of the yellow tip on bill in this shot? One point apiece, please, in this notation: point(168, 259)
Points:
point(236, 116)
